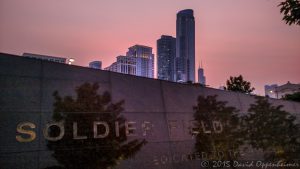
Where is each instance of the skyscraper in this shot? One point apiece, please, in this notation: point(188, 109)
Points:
point(201, 77)
point(144, 60)
point(113, 67)
point(126, 65)
point(166, 53)
point(139, 61)
point(185, 46)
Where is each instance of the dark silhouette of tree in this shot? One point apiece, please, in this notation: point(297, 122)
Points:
point(208, 111)
point(90, 152)
point(293, 97)
point(272, 130)
point(291, 11)
point(266, 128)
point(238, 84)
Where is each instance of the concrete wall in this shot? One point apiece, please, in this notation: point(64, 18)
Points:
point(27, 85)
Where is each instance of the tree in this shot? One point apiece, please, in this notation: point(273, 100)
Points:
point(94, 153)
point(266, 128)
point(209, 112)
point(291, 11)
point(238, 84)
point(272, 130)
point(293, 97)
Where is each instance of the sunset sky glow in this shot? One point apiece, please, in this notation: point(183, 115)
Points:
point(233, 37)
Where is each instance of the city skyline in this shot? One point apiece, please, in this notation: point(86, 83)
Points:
point(231, 39)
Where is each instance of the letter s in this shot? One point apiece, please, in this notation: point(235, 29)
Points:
point(21, 129)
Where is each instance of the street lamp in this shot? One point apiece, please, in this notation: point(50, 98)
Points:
point(70, 61)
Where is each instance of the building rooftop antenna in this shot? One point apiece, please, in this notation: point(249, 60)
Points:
point(200, 64)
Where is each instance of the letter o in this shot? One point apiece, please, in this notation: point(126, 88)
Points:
point(61, 127)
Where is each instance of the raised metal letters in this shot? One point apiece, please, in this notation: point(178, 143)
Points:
point(146, 128)
point(30, 134)
point(61, 127)
point(96, 134)
point(75, 133)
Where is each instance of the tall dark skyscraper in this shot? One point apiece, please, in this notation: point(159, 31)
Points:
point(166, 53)
point(185, 46)
point(201, 77)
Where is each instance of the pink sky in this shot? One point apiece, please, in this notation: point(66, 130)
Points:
point(232, 36)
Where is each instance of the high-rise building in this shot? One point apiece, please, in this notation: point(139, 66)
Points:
point(166, 53)
point(201, 77)
point(185, 46)
point(138, 61)
point(113, 67)
point(144, 60)
point(126, 65)
point(95, 65)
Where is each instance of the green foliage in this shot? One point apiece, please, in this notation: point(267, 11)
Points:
point(291, 11)
point(93, 153)
point(208, 109)
point(293, 97)
point(272, 130)
point(267, 128)
point(238, 84)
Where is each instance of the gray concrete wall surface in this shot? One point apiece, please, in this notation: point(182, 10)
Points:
point(26, 94)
